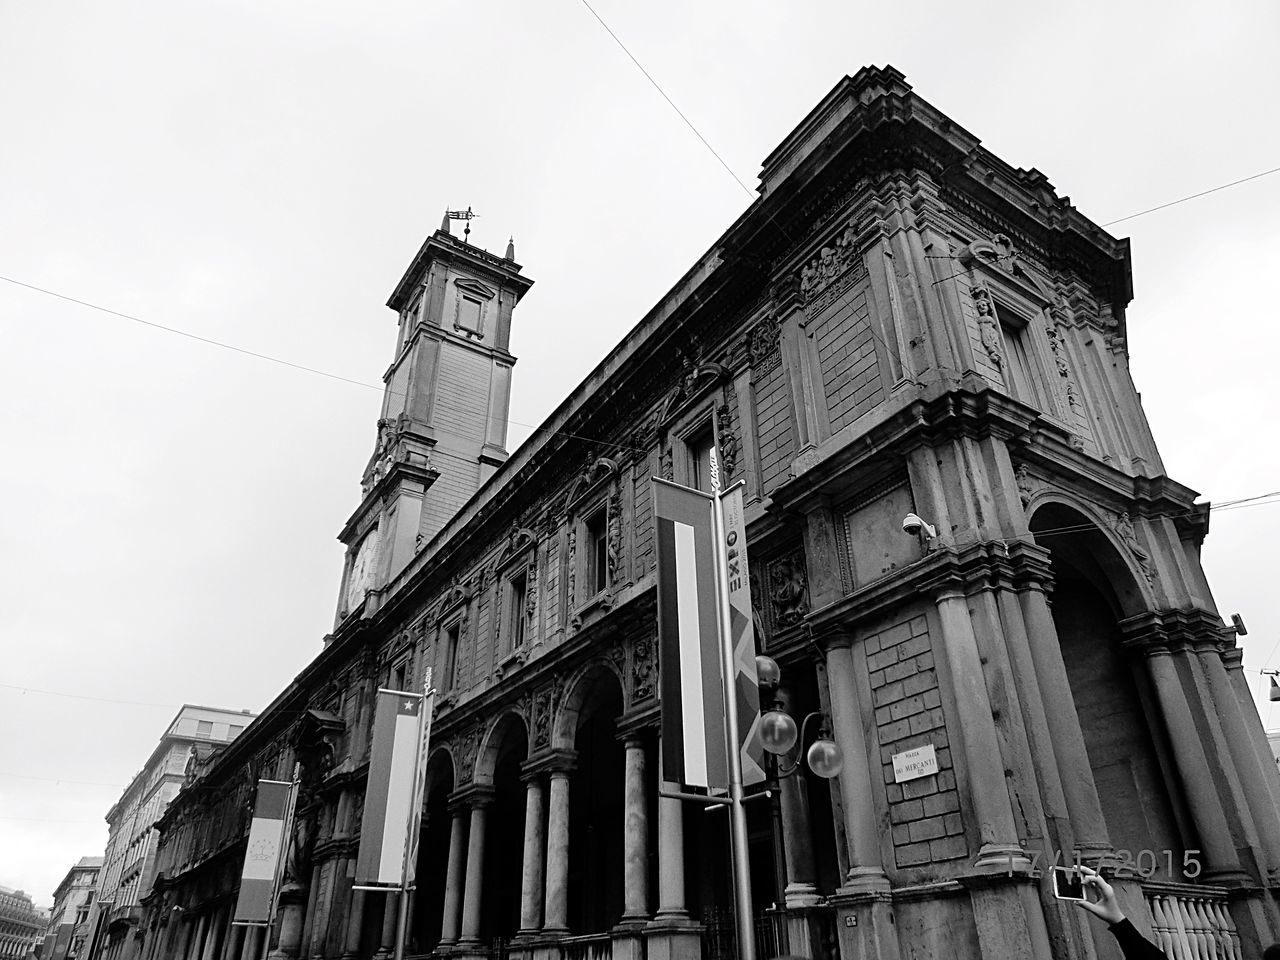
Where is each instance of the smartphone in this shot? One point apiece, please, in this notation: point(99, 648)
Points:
point(1068, 883)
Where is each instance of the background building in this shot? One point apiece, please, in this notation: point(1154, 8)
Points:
point(900, 323)
point(22, 924)
point(128, 865)
point(69, 920)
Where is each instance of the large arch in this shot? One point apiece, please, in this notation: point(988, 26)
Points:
point(1096, 587)
point(588, 724)
point(582, 696)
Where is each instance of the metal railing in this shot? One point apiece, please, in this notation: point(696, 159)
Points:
point(1193, 923)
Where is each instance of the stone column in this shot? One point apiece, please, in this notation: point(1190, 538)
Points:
point(635, 834)
point(535, 849)
point(355, 920)
point(797, 838)
point(974, 727)
point(1193, 768)
point(390, 916)
point(1257, 794)
point(249, 948)
point(1080, 793)
point(209, 947)
point(671, 903)
point(449, 924)
point(293, 901)
point(866, 868)
point(480, 799)
point(195, 949)
point(555, 919)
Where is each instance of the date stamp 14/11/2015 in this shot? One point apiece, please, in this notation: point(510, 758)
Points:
point(1142, 862)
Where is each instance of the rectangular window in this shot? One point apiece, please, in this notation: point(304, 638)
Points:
point(469, 310)
point(1019, 361)
point(450, 658)
point(204, 728)
point(516, 619)
point(597, 551)
point(700, 447)
point(399, 676)
point(234, 730)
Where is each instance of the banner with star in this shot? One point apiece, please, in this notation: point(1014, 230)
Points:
point(271, 810)
point(391, 789)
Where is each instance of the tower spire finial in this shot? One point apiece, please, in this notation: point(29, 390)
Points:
point(511, 249)
point(444, 224)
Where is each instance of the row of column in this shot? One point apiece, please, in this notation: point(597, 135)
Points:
point(545, 859)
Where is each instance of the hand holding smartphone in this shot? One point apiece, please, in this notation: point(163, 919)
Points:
point(1068, 883)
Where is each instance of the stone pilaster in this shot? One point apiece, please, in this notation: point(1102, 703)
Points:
point(635, 835)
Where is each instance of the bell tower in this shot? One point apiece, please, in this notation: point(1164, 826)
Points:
point(443, 429)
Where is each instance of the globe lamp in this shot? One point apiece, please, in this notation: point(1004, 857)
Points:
point(825, 758)
point(768, 673)
point(777, 732)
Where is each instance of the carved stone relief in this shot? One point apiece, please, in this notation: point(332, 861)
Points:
point(1025, 485)
point(830, 262)
point(644, 669)
point(763, 348)
point(788, 590)
point(988, 325)
point(1123, 525)
point(728, 443)
point(464, 755)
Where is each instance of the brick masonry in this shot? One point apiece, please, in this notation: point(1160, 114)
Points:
point(924, 814)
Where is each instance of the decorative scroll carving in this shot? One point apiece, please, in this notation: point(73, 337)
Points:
point(728, 443)
point(531, 593)
point(789, 590)
point(988, 325)
point(695, 379)
point(572, 575)
point(665, 468)
point(763, 348)
point(831, 262)
point(1124, 528)
point(1058, 348)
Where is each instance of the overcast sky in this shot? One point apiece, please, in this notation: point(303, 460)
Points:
point(262, 172)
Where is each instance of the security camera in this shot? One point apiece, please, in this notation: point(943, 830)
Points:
point(1237, 621)
point(914, 526)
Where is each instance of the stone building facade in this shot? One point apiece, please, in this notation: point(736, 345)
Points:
point(900, 323)
point(129, 860)
point(22, 924)
point(70, 926)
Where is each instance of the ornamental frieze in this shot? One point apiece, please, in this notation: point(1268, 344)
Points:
point(831, 262)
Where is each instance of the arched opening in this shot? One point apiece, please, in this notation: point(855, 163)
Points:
point(1124, 734)
point(595, 898)
point(507, 749)
point(433, 856)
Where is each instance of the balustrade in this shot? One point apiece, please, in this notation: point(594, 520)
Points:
point(1192, 923)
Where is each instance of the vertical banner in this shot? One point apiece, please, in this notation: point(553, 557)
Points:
point(419, 784)
point(746, 685)
point(689, 652)
point(388, 799)
point(263, 853)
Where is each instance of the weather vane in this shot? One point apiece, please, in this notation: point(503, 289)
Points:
point(466, 215)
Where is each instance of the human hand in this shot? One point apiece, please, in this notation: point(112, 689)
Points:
point(1107, 907)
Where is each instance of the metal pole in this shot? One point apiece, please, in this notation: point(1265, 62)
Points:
point(737, 813)
point(402, 921)
point(286, 837)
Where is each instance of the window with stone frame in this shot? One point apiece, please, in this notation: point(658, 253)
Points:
point(517, 619)
point(699, 448)
point(595, 542)
point(449, 667)
point(1022, 374)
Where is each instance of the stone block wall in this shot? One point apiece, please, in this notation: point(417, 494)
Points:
point(924, 814)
